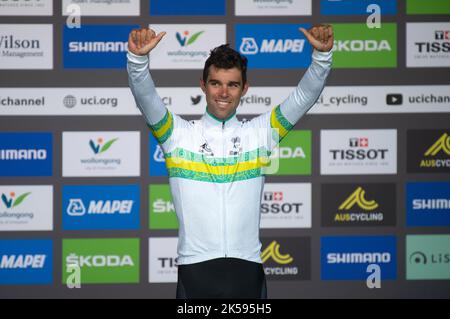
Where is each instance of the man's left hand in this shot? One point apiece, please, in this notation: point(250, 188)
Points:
point(320, 37)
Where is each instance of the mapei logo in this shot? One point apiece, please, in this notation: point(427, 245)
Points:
point(441, 145)
point(26, 262)
point(76, 207)
point(274, 45)
point(250, 46)
point(101, 207)
point(273, 252)
point(101, 146)
point(186, 40)
point(13, 200)
point(358, 198)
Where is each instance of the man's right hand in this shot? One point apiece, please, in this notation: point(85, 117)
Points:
point(142, 41)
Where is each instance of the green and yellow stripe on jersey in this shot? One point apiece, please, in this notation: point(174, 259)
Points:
point(185, 164)
point(279, 124)
point(163, 129)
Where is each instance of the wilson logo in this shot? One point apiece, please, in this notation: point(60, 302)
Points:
point(99, 148)
point(185, 40)
point(273, 251)
point(442, 144)
point(358, 197)
point(11, 201)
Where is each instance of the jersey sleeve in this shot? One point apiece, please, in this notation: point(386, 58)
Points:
point(163, 124)
point(282, 118)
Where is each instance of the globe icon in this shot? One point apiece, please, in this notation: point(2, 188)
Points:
point(70, 101)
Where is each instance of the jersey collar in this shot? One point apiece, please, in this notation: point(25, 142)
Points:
point(213, 121)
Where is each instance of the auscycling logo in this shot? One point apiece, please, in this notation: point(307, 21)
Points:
point(440, 147)
point(273, 252)
point(185, 40)
point(13, 200)
point(358, 198)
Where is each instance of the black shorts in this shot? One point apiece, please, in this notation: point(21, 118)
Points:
point(222, 278)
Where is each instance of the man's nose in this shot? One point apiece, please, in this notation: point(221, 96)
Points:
point(223, 91)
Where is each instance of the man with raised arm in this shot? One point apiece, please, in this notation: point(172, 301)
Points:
point(216, 164)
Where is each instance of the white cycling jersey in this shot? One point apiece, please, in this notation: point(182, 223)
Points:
point(216, 167)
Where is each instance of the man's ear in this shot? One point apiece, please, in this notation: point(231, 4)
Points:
point(203, 85)
point(244, 91)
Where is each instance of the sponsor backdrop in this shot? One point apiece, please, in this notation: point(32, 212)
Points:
point(363, 184)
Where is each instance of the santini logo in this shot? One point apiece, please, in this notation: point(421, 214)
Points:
point(98, 148)
point(273, 251)
point(250, 46)
point(358, 197)
point(11, 202)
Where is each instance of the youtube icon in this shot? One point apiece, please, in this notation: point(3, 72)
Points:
point(394, 99)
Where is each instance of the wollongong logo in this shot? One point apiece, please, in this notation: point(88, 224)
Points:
point(98, 148)
point(10, 202)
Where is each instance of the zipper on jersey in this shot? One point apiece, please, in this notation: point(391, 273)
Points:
point(224, 219)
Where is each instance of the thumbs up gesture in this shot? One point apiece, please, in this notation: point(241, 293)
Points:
point(320, 37)
point(142, 41)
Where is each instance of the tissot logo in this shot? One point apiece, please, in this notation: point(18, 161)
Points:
point(428, 151)
point(286, 258)
point(358, 151)
point(428, 44)
point(358, 205)
point(286, 205)
point(162, 254)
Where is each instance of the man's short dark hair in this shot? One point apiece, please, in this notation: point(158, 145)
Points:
point(224, 57)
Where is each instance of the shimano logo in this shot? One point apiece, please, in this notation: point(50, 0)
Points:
point(438, 203)
point(100, 261)
point(98, 47)
point(22, 261)
point(358, 258)
point(107, 207)
point(250, 46)
point(23, 154)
